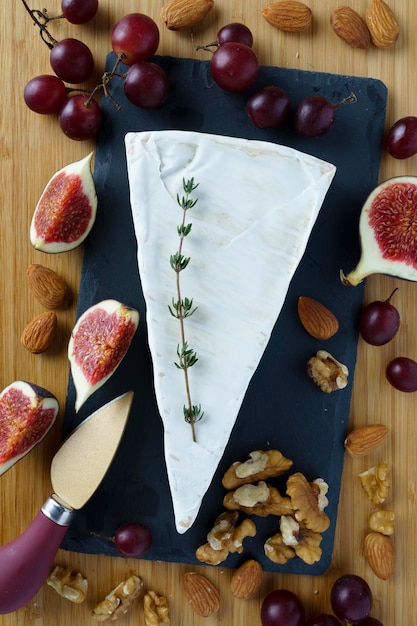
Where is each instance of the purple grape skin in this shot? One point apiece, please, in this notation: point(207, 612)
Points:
point(146, 85)
point(370, 621)
point(282, 607)
point(351, 598)
point(323, 619)
point(235, 32)
point(132, 539)
point(379, 322)
point(45, 94)
point(71, 60)
point(401, 372)
point(268, 107)
point(401, 139)
point(314, 116)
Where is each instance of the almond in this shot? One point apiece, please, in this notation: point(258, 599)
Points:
point(380, 554)
point(382, 24)
point(201, 594)
point(39, 333)
point(49, 288)
point(180, 14)
point(288, 15)
point(350, 27)
point(362, 441)
point(317, 320)
point(246, 580)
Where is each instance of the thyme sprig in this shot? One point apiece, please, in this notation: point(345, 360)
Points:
point(183, 307)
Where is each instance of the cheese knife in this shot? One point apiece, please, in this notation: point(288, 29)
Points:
point(77, 470)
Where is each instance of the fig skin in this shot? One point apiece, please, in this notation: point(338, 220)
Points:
point(27, 413)
point(66, 210)
point(399, 193)
point(98, 344)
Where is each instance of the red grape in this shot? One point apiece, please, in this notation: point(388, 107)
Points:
point(80, 117)
point(45, 94)
point(351, 598)
point(268, 107)
point(146, 85)
point(236, 32)
point(379, 322)
point(401, 140)
point(72, 60)
point(314, 116)
point(132, 539)
point(370, 621)
point(134, 38)
point(79, 11)
point(401, 372)
point(282, 608)
point(234, 67)
point(323, 619)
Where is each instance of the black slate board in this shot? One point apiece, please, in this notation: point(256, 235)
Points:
point(282, 409)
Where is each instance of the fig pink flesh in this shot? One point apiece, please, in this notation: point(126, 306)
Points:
point(100, 343)
point(22, 424)
point(392, 215)
point(64, 211)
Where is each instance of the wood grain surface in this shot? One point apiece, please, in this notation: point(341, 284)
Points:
point(32, 148)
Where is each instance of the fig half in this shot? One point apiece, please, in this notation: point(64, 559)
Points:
point(27, 412)
point(66, 210)
point(98, 343)
point(388, 232)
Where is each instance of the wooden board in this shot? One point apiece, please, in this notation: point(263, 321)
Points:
point(33, 148)
point(280, 391)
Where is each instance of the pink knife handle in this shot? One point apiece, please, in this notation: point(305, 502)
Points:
point(26, 562)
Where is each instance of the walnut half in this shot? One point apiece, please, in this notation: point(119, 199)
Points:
point(118, 601)
point(69, 584)
point(327, 372)
point(224, 538)
point(155, 609)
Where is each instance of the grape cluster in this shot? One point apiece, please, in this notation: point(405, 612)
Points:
point(134, 40)
point(234, 67)
point(350, 598)
point(379, 322)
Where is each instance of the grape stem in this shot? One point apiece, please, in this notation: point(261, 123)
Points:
point(41, 19)
point(350, 99)
point(390, 296)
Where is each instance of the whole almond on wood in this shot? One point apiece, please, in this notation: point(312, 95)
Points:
point(246, 580)
point(382, 24)
point(350, 27)
point(201, 594)
point(49, 288)
point(362, 441)
point(317, 319)
point(288, 15)
point(40, 332)
point(181, 14)
point(380, 554)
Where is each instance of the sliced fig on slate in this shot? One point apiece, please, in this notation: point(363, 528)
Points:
point(98, 343)
point(388, 232)
point(27, 412)
point(66, 210)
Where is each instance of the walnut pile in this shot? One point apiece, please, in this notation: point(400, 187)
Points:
point(300, 511)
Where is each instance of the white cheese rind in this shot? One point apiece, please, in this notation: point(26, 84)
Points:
point(257, 204)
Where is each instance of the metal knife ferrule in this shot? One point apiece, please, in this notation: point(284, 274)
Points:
point(57, 512)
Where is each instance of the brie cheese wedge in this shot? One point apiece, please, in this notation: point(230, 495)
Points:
point(257, 204)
